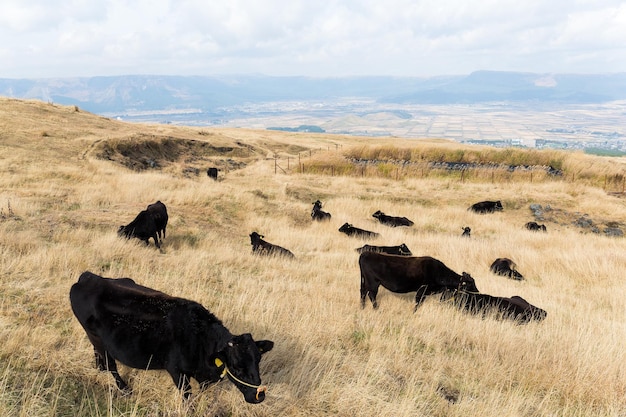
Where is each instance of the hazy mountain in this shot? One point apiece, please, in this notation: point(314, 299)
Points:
point(118, 94)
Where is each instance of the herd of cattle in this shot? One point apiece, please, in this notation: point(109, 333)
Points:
point(146, 329)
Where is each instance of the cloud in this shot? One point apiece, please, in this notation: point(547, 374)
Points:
point(398, 37)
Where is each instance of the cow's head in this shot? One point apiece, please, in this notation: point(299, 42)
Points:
point(317, 205)
point(404, 250)
point(123, 231)
point(378, 214)
point(239, 361)
point(255, 238)
point(467, 283)
point(345, 227)
point(498, 205)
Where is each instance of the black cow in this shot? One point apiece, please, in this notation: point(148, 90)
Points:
point(515, 308)
point(486, 207)
point(159, 213)
point(535, 227)
point(350, 230)
point(392, 221)
point(506, 268)
point(318, 214)
point(402, 250)
point(401, 274)
point(147, 329)
point(143, 228)
point(466, 231)
point(261, 247)
point(212, 173)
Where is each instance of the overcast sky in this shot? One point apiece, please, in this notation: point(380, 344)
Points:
point(52, 38)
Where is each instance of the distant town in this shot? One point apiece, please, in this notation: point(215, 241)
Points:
point(594, 128)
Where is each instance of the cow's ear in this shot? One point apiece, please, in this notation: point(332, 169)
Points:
point(264, 345)
point(218, 361)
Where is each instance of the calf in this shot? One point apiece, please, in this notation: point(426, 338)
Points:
point(506, 268)
point(212, 173)
point(466, 231)
point(486, 207)
point(402, 250)
point(147, 329)
point(261, 247)
point(350, 230)
point(514, 308)
point(318, 214)
point(392, 221)
point(402, 274)
point(535, 227)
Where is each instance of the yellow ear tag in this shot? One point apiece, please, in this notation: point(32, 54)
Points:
point(220, 364)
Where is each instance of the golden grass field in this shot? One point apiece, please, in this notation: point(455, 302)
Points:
point(66, 186)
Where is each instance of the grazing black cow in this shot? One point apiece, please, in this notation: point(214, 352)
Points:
point(514, 308)
point(466, 231)
point(486, 207)
point(318, 214)
point(350, 230)
point(535, 227)
point(212, 173)
point(143, 228)
point(261, 247)
point(159, 213)
point(392, 221)
point(147, 329)
point(506, 268)
point(402, 250)
point(401, 274)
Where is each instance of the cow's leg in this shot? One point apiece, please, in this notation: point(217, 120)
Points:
point(364, 292)
point(419, 296)
point(372, 294)
point(109, 363)
point(100, 361)
point(98, 351)
point(181, 381)
point(156, 240)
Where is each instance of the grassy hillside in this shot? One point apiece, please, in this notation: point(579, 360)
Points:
point(68, 179)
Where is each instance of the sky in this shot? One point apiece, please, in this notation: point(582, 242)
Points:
point(316, 38)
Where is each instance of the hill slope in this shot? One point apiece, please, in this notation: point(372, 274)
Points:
point(66, 185)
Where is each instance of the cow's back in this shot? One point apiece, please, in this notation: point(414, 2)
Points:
point(96, 297)
point(140, 326)
point(402, 273)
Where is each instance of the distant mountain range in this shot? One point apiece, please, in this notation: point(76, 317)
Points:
point(137, 93)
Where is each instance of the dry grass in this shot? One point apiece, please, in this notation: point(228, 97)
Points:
point(331, 357)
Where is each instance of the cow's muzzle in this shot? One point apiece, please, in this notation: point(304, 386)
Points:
point(260, 393)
